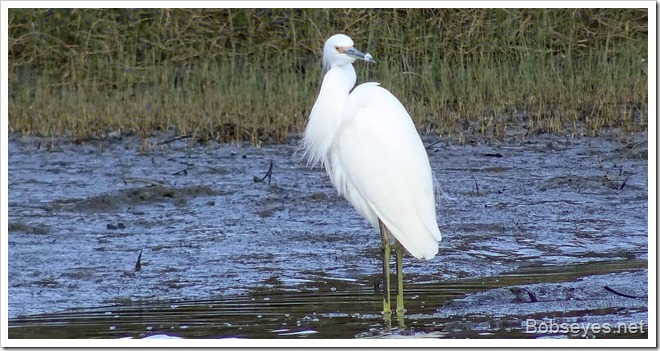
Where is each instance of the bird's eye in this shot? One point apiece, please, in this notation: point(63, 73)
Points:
point(337, 48)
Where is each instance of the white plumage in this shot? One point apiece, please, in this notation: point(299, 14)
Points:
point(372, 152)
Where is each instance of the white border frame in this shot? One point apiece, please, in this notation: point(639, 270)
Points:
point(399, 343)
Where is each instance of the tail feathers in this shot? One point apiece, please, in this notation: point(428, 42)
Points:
point(423, 244)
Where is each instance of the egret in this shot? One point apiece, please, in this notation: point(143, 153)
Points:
point(371, 151)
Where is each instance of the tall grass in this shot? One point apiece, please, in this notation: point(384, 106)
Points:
point(253, 74)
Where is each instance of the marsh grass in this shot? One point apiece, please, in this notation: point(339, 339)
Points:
point(253, 74)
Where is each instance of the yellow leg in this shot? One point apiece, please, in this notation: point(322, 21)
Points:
point(385, 241)
point(400, 310)
point(398, 250)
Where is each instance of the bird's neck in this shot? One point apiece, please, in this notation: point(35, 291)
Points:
point(336, 86)
point(326, 117)
point(339, 79)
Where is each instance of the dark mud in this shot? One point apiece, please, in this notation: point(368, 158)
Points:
point(223, 255)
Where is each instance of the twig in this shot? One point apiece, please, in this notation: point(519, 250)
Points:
point(624, 183)
point(622, 294)
point(497, 154)
point(175, 139)
point(532, 296)
point(268, 174)
point(614, 185)
point(138, 264)
point(437, 142)
point(475, 182)
point(184, 171)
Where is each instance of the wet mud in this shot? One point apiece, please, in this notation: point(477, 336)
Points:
point(530, 230)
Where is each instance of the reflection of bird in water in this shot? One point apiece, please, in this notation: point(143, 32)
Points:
point(375, 158)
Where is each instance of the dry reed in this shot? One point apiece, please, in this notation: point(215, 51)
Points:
point(253, 74)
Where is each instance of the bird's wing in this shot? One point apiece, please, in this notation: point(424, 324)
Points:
point(382, 163)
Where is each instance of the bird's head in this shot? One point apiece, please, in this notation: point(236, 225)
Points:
point(339, 50)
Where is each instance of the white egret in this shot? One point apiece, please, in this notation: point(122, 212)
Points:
point(375, 158)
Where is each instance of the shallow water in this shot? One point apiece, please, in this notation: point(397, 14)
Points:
point(216, 244)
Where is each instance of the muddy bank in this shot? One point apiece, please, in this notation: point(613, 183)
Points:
point(609, 305)
point(79, 215)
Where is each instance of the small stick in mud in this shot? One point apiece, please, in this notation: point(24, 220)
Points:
point(428, 147)
point(475, 183)
point(138, 264)
point(624, 183)
point(184, 171)
point(614, 185)
point(623, 294)
point(518, 292)
point(175, 139)
point(268, 174)
point(532, 296)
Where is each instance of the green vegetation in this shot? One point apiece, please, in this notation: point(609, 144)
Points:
point(253, 74)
